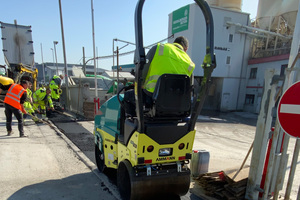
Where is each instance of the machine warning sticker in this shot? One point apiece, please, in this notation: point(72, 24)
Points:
point(110, 156)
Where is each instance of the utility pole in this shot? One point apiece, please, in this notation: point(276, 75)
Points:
point(52, 56)
point(83, 60)
point(93, 32)
point(113, 56)
point(65, 59)
point(117, 69)
point(55, 43)
point(43, 66)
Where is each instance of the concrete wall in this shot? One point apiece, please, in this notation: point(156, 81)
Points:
point(229, 94)
point(81, 96)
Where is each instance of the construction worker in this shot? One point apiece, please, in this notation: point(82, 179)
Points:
point(41, 98)
point(28, 104)
point(166, 59)
point(170, 58)
point(13, 102)
point(55, 87)
point(5, 81)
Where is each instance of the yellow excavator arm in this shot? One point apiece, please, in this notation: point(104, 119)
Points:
point(33, 72)
point(22, 69)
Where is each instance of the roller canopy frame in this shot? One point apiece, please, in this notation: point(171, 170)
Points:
point(208, 65)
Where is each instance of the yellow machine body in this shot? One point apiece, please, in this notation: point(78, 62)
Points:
point(137, 148)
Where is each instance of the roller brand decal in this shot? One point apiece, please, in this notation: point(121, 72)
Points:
point(222, 48)
point(165, 158)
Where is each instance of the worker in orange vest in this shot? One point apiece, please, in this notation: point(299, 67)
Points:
point(14, 100)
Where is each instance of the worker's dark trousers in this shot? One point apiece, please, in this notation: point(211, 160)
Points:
point(9, 110)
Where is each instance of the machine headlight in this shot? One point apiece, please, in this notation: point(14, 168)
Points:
point(150, 148)
point(181, 146)
point(165, 152)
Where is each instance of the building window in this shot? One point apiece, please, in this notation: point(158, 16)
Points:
point(282, 70)
point(253, 73)
point(228, 60)
point(230, 38)
point(249, 99)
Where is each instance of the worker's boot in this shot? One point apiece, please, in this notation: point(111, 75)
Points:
point(44, 116)
point(9, 133)
point(23, 135)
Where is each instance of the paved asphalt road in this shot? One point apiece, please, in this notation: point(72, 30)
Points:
point(45, 166)
point(227, 137)
point(219, 134)
point(52, 165)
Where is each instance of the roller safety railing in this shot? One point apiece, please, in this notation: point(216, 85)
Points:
point(208, 65)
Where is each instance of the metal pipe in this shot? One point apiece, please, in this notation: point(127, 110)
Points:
point(241, 72)
point(278, 25)
point(282, 166)
point(65, 58)
point(292, 170)
point(139, 61)
point(43, 66)
point(268, 36)
point(271, 158)
point(94, 51)
point(289, 79)
point(113, 55)
point(298, 196)
point(258, 30)
point(261, 137)
point(281, 174)
point(252, 34)
point(53, 56)
point(118, 69)
point(245, 159)
point(124, 41)
point(127, 53)
point(207, 67)
point(83, 60)
point(54, 44)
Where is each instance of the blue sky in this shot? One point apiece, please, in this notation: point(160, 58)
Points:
point(113, 19)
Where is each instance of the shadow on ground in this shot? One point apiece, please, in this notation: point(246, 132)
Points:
point(76, 187)
point(228, 117)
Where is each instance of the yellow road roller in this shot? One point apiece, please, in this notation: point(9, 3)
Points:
point(150, 148)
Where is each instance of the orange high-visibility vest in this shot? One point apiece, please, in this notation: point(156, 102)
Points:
point(14, 95)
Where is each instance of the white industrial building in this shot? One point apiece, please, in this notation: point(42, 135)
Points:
point(255, 78)
point(270, 50)
point(244, 50)
point(231, 49)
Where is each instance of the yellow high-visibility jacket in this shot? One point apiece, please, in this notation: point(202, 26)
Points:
point(168, 59)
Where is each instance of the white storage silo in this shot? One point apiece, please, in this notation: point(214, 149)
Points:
point(235, 5)
point(288, 11)
point(213, 2)
point(268, 13)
